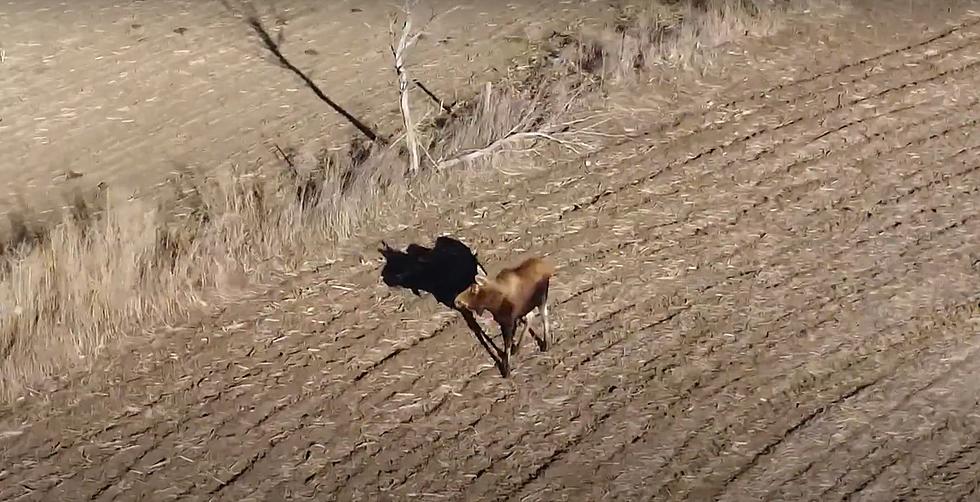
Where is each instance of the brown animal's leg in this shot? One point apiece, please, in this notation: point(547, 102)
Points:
point(534, 333)
point(542, 301)
point(522, 326)
point(508, 332)
point(542, 343)
point(546, 341)
point(537, 338)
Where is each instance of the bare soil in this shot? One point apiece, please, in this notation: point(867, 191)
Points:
point(772, 298)
point(190, 85)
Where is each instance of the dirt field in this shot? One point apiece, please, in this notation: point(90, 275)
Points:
point(772, 299)
point(189, 85)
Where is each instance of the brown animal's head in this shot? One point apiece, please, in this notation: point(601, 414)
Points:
point(474, 297)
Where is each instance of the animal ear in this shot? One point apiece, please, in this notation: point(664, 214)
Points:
point(480, 279)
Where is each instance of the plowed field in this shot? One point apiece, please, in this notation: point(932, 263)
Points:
point(773, 299)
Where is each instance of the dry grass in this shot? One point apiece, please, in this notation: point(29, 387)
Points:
point(651, 37)
point(128, 265)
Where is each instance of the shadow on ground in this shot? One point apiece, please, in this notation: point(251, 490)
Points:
point(251, 18)
point(444, 271)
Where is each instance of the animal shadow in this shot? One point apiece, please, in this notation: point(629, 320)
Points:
point(444, 271)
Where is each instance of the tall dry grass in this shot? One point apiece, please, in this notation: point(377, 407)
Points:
point(656, 36)
point(118, 266)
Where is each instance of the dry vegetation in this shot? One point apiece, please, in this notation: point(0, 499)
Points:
point(117, 266)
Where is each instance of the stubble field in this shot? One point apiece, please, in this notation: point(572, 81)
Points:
point(772, 298)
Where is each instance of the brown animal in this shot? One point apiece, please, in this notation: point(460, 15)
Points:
point(510, 297)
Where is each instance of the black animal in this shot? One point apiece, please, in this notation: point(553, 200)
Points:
point(444, 270)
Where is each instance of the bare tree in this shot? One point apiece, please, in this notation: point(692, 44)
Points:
point(400, 45)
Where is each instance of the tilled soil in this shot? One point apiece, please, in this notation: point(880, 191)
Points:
point(190, 85)
point(776, 300)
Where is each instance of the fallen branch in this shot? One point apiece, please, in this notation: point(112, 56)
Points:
point(552, 135)
point(285, 157)
point(532, 125)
